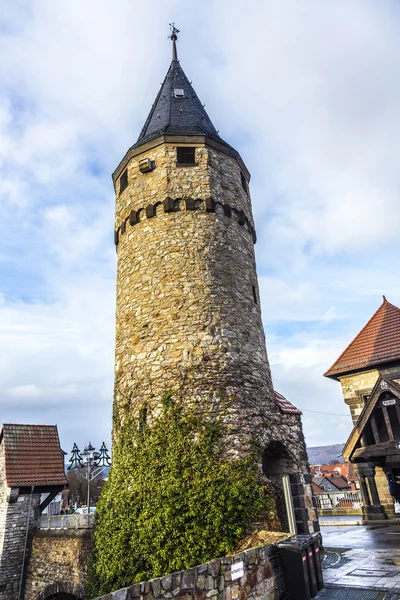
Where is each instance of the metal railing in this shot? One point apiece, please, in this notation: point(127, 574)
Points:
point(339, 501)
point(65, 522)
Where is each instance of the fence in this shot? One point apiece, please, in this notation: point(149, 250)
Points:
point(65, 522)
point(339, 502)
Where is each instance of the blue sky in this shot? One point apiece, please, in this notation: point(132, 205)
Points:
point(307, 91)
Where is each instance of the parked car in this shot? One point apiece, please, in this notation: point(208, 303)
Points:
point(84, 510)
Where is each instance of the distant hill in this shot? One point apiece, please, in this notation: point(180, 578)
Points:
point(323, 455)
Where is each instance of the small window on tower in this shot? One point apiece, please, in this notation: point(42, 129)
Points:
point(254, 294)
point(123, 181)
point(185, 155)
point(178, 93)
point(244, 183)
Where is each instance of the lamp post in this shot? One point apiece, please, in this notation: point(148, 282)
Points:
point(93, 462)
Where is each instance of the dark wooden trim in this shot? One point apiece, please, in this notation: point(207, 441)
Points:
point(387, 421)
point(375, 429)
point(49, 498)
point(378, 450)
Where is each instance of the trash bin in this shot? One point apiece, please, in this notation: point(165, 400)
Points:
point(316, 546)
point(302, 566)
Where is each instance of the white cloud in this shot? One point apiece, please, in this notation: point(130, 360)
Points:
point(307, 91)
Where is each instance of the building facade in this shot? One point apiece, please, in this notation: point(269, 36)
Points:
point(188, 306)
point(369, 373)
point(31, 475)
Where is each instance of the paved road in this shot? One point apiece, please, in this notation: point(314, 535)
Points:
point(363, 560)
point(360, 536)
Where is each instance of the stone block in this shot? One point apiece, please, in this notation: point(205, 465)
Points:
point(214, 567)
point(166, 583)
point(155, 585)
point(220, 583)
point(188, 579)
point(121, 594)
point(209, 585)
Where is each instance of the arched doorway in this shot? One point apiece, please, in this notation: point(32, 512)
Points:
point(62, 590)
point(277, 466)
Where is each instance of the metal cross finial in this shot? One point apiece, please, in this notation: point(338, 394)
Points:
point(174, 37)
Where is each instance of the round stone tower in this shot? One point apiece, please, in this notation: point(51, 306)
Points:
point(188, 307)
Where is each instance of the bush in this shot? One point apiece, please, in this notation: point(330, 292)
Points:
point(173, 500)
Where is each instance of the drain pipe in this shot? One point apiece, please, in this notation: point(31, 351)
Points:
point(21, 581)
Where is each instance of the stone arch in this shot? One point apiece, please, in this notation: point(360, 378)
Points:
point(62, 590)
point(277, 461)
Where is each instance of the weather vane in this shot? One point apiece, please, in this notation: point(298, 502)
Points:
point(173, 37)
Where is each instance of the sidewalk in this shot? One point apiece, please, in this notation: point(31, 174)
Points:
point(363, 568)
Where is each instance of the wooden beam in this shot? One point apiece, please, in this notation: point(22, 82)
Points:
point(387, 448)
point(397, 409)
point(387, 421)
point(49, 498)
point(375, 429)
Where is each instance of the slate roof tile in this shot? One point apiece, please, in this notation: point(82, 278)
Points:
point(171, 115)
point(378, 342)
point(32, 455)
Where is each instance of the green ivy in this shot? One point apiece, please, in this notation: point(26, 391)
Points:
point(172, 501)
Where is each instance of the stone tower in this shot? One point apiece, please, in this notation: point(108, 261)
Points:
point(188, 308)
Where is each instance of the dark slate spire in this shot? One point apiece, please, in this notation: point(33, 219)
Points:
point(177, 109)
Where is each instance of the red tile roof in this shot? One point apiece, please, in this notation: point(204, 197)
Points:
point(378, 342)
point(32, 455)
point(285, 405)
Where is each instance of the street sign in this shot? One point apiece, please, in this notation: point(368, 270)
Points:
point(389, 402)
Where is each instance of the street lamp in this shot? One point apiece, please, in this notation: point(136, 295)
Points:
point(93, 462)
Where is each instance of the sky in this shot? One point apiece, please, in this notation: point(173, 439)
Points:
point(308, 93)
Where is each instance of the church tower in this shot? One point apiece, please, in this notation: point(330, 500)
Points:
point(188, 305)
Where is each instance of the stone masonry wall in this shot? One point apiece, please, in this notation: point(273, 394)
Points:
point(187, 291)
point(14, 512)
point(58, 563)
point(262, 579)
point(357, 382)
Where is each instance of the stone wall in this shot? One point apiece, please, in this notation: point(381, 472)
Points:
point(58, 563)
point(262, 579)
point(15, 510)
point(187, 290)
point(355, 384)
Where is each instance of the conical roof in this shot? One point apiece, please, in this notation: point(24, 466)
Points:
point(177, 110)
point(378, 342)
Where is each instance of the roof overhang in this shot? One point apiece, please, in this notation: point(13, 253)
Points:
point(369, 367)
point(179, 139)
